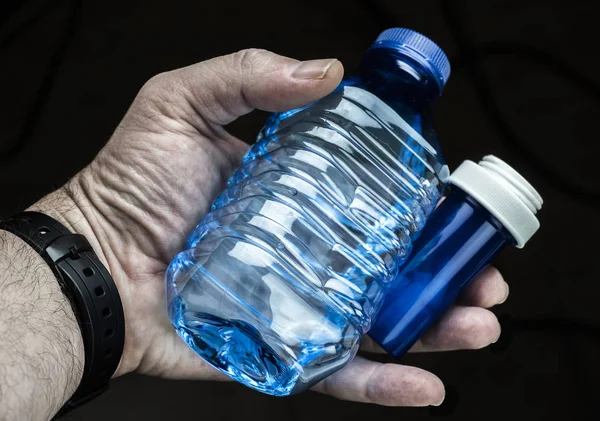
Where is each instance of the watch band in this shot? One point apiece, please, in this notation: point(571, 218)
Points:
point(91, 292)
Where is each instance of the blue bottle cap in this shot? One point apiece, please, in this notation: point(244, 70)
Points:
point(419, 48)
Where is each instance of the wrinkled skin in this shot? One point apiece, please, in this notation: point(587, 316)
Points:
point(155, 179)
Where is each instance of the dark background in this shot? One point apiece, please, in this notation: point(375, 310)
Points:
point(524, 87)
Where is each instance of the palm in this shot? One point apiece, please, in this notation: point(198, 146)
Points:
point(182, 172)
point(156, 178)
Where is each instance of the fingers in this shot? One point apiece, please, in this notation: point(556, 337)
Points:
point(227, 87)
point(471, 326)
point(369, 345)
point(383, 384)
point(487, 290)
point(466, 327)
point(460, 328)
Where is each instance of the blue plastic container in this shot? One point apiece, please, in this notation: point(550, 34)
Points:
point(489, 207)
point(291, 266)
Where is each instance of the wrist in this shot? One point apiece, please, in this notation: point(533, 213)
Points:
point(42, 354)
point(69, 206)
point(66, 206)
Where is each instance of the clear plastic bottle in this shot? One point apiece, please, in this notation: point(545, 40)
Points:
point(288, 270)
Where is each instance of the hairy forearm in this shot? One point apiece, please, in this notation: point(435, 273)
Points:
point(41, 349)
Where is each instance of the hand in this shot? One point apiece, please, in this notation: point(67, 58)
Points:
point(154, 180)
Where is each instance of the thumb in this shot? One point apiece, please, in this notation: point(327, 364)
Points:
point(227, 87)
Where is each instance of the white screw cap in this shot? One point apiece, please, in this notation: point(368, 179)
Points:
point(503, 192)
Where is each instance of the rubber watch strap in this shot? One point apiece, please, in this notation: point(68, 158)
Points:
point(91, 291)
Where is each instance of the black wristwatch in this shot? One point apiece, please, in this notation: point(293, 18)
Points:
point(91, 292)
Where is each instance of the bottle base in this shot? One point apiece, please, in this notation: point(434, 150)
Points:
point(236, 349)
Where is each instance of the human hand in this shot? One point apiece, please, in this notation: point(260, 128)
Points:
point(154, 180)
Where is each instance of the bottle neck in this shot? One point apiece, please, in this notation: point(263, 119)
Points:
point(396, 77)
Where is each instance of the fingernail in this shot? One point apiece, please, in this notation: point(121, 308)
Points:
point(313, 69)
point(505, 296)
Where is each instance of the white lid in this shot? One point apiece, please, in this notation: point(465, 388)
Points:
point(503, 192)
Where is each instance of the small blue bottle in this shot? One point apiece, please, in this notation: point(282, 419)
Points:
point(289, 269)
point(489, 206)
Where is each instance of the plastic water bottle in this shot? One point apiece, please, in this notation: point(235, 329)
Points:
point(291, 266)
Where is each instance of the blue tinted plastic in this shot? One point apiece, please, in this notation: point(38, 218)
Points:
point(459, 240)
point(418, 47)
point(289, 268)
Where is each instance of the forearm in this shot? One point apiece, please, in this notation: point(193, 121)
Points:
point(41, 349)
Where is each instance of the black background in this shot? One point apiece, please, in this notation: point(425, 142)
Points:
point(524, 86)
